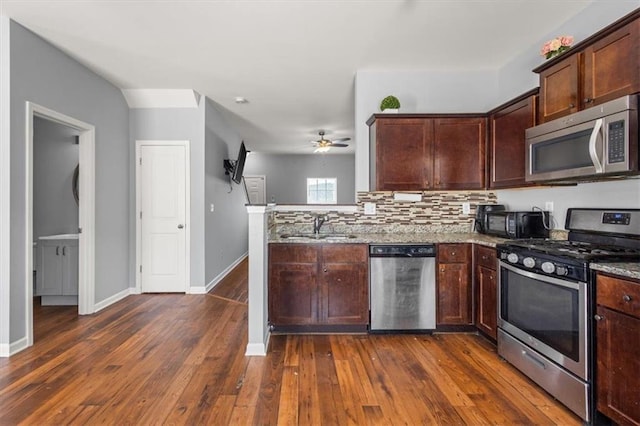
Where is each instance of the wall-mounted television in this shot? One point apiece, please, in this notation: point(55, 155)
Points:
point(239, 166)
point(235, 168)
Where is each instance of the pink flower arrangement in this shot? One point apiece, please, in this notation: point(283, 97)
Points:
point(556, 46)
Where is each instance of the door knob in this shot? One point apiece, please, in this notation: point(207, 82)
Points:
point(180, 226)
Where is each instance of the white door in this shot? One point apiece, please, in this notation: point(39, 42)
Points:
point(162, 216)
point(256, 189)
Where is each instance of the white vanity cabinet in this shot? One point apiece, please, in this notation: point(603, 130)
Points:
point(57, 273)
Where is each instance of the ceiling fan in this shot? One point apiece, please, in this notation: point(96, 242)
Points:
point(324, 145)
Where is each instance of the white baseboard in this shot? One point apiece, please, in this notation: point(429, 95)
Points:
point(6, 350)
point(258, 349)
point(220, 276)
point(113, 299)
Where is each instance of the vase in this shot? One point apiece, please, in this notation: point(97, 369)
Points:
point(391, 111)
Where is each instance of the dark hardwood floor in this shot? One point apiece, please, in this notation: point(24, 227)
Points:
point(179, 359)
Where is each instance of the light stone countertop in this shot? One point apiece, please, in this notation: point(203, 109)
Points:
point(398, 238)
point(628, 269)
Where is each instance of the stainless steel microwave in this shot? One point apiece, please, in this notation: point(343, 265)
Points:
point(597, 142)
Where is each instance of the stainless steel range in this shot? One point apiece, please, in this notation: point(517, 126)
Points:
point(546, 301)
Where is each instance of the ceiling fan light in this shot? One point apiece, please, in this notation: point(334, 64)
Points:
point(322, 149)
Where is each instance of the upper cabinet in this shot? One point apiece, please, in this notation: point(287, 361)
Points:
point(603, 67)
point(506, 156)
point(401, 154)
point(422, 152)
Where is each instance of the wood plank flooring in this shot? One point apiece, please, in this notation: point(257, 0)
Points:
point(179, 359)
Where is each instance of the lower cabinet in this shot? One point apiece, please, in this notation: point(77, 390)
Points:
point(486, 290)
point(454, 302)
point(318, 285)
point(57, 271)
point(617, 349)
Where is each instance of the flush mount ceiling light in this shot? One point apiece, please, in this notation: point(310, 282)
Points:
point(241, 100)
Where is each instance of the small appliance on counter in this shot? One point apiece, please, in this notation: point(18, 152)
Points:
point(518, 224)
point(480, 223)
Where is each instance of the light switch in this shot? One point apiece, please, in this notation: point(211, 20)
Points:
point(466, 208)
point(211, 208)
point(369, 208)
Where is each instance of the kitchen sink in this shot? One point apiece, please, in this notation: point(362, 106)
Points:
point(317, 236)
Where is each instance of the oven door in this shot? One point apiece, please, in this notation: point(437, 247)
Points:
point(547, 314)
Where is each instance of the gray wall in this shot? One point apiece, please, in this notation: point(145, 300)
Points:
point(55, 157)
point(226, 238)
point(41, 73)
point(286, 174)
point(175, 124)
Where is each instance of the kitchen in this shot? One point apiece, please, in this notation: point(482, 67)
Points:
point(493, 91)
point(292, 308)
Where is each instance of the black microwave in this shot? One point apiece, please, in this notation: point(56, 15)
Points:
point(518, 224)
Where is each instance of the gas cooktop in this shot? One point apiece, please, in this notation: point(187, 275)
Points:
point(578, 249)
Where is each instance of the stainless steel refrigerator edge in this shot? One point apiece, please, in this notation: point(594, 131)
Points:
point(403, 291)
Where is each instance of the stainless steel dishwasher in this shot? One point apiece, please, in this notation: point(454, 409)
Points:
point(402, 281)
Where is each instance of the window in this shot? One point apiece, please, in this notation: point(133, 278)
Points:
point(322, 190)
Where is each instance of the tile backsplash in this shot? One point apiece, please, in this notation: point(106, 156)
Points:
point(437, 211)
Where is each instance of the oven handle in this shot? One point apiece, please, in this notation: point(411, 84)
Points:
point(562, 283)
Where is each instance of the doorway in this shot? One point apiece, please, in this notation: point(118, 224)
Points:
point(86, 209)
point(256, 189)
point(162, 213)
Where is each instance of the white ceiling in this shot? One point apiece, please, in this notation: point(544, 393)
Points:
point(294, 60)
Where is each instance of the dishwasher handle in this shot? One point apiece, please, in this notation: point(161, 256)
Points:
point(402, 250)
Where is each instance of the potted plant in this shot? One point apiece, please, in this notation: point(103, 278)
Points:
point(390, 104)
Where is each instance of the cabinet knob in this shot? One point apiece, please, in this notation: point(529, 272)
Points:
point(572, 106)
point(324, 270)
point(485, 257)
point(588, 100)
point(626, 298)
point(180, 226)
point(598, 317)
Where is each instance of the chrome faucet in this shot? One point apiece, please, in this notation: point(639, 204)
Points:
point(318, 221)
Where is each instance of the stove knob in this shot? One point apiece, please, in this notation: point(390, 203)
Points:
point(562, 270)
point(529, 262)
point(513, 258)
point(548, 267)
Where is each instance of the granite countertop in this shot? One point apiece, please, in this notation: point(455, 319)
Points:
point(628, 269)
point(398, 238)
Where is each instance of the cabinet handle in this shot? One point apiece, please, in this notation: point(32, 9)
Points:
point(485, 257)
point(57, 250)
point(441, 269)
point(453, 253)
point(572, 106)
point(588, 100)
point(64, 250)
point(598, 317)
point(626, 298)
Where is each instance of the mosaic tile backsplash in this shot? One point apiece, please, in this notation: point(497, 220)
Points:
point(436, 212)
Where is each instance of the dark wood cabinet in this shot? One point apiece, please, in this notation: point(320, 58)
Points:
point(422, 152)
point(403, 154)
point(454, 303)
point(603, 67)
point(559, 89)
point(318, 285)
point(486, 289)
point(612, 66)
point(618, 346)
point(459, 153)
point(506, 156)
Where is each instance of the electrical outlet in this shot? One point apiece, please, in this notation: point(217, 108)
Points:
point(548, 206)
point(369, 208)
point(466, 208)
